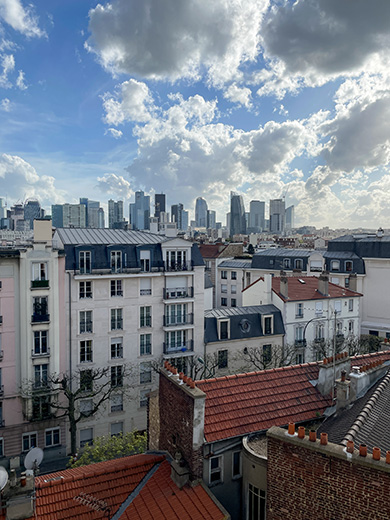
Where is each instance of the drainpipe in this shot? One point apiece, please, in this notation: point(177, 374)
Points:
point(70, 328)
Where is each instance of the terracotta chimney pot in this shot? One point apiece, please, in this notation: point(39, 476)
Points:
point(301, 432)
point(312, 436)
point(181, 375)
point(363, 450)
point(376, 453)
point(291, 428)
point(185, 379)
point(387, 457)
point(350, 446)
point(324, 439)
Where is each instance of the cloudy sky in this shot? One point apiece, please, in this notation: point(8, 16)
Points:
point(197, 98)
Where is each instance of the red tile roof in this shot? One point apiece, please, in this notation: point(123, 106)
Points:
point(309, 290)
point(211, 250)
point(112, 482)
point(241, 404)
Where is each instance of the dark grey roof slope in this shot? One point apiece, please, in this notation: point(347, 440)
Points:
point(245, 322)
point(273, 258)
point(365, 246)
point(78, 236)
point(196, 257)
point(207, 281)
point(236, 264)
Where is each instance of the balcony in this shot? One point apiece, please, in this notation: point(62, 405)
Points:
point(145, 292)
point(178, 292)
point(39, 284)
point(172, 348)
point(40, 353)
point(180, 266)
point(299, 315)
point(300, 343)
point(41, 386)
point(339, 338)
point(179, 319)
point(40, 318)
point(319, 341)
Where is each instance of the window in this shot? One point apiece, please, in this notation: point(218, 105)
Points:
point(40, 309)
point(224, 329)
point(29, 440)
point(117, 376)
point(143, 397)
point(145, 348)
point(41, 407)
point(298, 264)
point(339, 328)
point(224, 302)
point(320, 330)
point(223, 288)
point(216, 470)
point(286, 263)
point(86, 380)
point(116, 348)
point(267, 354)
point(268, 324)
point(248, 279)
point(85, 289)
point(222, 359)
point(176, 260)
point(117, 403)
point(233, 289)
point(316, 266)
point(116, 319)
point(256, 503)
point(299, 334)
point(224, 275)
point(145, 373)
point(337, 306)
point(351, 327)
point(1, 447)
point(176, 314)
point(348, 266)
point(85, 322)
point(40, 342)
point(334, 265)
point(236, 467)
point(346, 282)
point(116, 429)
point(85, 262)
point(86, 351)
point(145, 317)
point(318, 308)
point(40, 375)
point(86, 407)
point(145, 287)
point(86, 437)
point(176, 340)
point(39, 274)
point(145, 261)
point(52, 437)
point(233, 275)
point(350, 305)
point(233, 302)
point(181, 363)
point(116, 261)
point(300, 358)
point(335, 280)
point(299, 310)
point(116, 288)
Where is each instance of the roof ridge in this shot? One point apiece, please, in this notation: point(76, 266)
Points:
point(366, 410)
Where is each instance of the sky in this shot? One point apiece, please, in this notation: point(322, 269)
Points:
point(268, 98)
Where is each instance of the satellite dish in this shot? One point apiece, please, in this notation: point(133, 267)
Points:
point(33, 458)
point(3, 478)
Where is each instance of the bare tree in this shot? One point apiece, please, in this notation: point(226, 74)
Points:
point(273, 356)
point(63, 395)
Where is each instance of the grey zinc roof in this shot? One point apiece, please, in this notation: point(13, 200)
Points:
point(241, 311)
point(342, 255)
point(283, 251)
point(78, 236)
point(238, 264)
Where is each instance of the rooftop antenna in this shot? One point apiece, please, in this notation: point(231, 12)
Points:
point(33, 460)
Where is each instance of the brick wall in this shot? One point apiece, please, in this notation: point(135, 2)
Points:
point(177, 421)
point(308, 481)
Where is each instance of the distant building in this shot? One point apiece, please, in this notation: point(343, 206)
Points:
point(237, 215)
point(32, 210)
point(69, 215)
point(277, 216)
point(180, 216)
point(201, 212)
point(289, 218)
point(211, 219)
point(159, 204)
point(256, 216)
point(95, 214)
point(115, 213)
point(140, 211)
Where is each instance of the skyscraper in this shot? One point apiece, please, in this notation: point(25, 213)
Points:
point(201, 212)
point(289, 218)
point(180, 216)
point(256, 216)
point(115, 213)
point(237, 215)
point(159, 204)
point(211, 219)
point(32, 210)
point(94, 213)
point(140, 211)
point(277, 215)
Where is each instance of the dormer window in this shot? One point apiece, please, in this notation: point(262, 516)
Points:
point(268, 324)
point(85, 262)
point(116, 261)
point(348, 266)
point(299, 263)
point(145, 261)
point(176, 260)
point(286, 263)
point(223, 329)
point(335, 265)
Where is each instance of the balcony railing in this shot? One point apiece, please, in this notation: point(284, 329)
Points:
point(179, 319)
point(299, 315)
point(178, 266)
point(40, 353)
point(172, 347)
point(41, 385)
point(145, 292)
point(300, 343)
point(319, 341)
point(35, 284)
point(178, 292)
point(39, 318)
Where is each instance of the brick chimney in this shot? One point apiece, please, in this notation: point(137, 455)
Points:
point(325, 376)
point(283, 285)
point(323, 284)
point(181, 408)
point(19, 496)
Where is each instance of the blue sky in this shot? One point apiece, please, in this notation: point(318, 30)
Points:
point(199, 98)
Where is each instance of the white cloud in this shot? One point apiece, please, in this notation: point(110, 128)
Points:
point(19, 180)
point(240, 95)
point(20, 81)
point(116, 134)
point(5, 105)
point(8, 65)
point(176, 39)
point(21, 19)
point(132, 101)
point(116, 185)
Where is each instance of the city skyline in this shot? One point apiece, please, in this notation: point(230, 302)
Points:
point(264, 104)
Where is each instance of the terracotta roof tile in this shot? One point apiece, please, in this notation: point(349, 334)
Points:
point(308, 290)
point(112, 482)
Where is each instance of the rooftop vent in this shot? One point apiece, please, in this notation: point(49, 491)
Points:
point(301, 281)
point(380, 233)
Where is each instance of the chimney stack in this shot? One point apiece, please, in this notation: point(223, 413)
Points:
point(323, 284)
point(353, 282)
point(283, 285)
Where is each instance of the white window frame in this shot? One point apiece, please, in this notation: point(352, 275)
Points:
point(350, 305)
point(116, 318)
point(86, 407)
point(337, 306)
point(116, 261)
point(299, 310)
point(298, 262)
point(115, 370)
point(116, 403)
point(223, 288)
point(219, 470)
point(51, 432)
point(143, 400)
point(83, 291)
point(86, 324)
point(86, 258)
point(116, 425)
point(146, 344)
point(145, 316)
point(220, 327)
point(86, 351)
point(145, 260)
point(263, 318)
point(224, 275)
point(335, 265)
point(117, 344)
point(30, 445)
point(39, 274)
point(233, 275)
point(89, 441)
point(223, 352)
point(116, 288)
point(319, 308)
point(39, 334)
